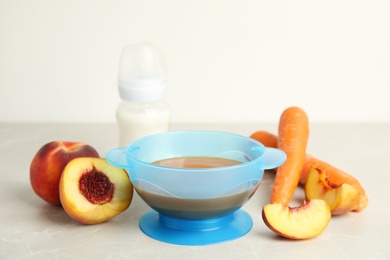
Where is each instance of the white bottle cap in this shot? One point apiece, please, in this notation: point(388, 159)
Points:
point(141, 73)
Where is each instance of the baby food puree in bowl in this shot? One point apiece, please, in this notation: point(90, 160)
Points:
point(196, 183)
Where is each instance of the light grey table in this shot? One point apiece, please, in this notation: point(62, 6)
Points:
point(32, 229)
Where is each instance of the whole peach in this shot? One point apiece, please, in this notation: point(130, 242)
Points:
point(48, 163)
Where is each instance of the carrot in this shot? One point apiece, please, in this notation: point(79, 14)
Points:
point(292, 139)
point(266, 138)
point(335, 176)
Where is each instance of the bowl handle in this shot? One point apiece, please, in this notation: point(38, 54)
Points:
point(117, 157)
point(273, 158)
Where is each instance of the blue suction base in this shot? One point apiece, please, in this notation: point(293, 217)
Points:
point(195, 232)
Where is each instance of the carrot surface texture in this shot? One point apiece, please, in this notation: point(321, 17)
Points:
point(293, 134)
point(335, 176)
point(266, 138)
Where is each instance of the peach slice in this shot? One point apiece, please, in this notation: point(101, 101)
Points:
point(48, 163)
point(302, 222)
point(94, 191)
point(341, 198)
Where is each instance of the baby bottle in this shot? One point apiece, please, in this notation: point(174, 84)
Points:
point(142, 86)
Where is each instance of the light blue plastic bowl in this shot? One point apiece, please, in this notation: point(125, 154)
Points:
point(197, 211)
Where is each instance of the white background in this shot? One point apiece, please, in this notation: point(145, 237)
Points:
point(228, 61)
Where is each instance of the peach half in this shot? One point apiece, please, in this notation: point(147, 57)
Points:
point(93, 191)
point(48, 163)
point(302, 222)
point(341, 198)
